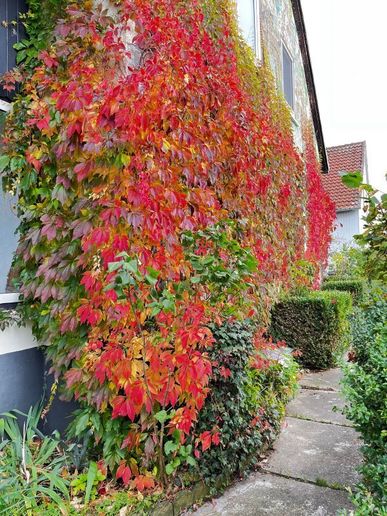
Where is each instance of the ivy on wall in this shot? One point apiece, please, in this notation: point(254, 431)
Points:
point(320, 209)
point(159, 192)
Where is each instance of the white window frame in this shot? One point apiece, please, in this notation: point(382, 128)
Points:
point(258, 41)
point(257, 48)
point(284, 46)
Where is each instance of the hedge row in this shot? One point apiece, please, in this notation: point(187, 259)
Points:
point(316, 324)
point(354, 286)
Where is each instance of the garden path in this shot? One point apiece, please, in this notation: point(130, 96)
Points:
point(313, 462)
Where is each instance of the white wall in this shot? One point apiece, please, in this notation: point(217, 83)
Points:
point(347, 225)
point(14, 339)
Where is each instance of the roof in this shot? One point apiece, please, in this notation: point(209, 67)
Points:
point(351, 157)
point(303, 41)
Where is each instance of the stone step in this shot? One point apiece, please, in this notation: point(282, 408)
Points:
point(317, 405)
point(316, 452)
point(324, 380)
point(263, 494)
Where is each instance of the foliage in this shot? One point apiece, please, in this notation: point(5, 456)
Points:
point(31, 465)
point(147, 154)
point(365, 384)
point(365, 387)
point(347, 263)
point(159, 192)
point(373, 239)
point(246, 401)
point(355, 287)
point(10, 317)
point(316, 324)
point(366, 321)
point(320, 209)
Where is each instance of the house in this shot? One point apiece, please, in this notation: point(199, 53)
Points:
point(273, 28)
point(276, 28)
point(343, 159)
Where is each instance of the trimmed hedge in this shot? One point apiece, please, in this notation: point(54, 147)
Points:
point(354, 286)
point(316, 324)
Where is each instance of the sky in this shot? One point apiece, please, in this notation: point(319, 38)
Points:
point(348, 45)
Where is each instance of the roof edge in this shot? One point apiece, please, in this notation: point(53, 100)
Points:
point(303, 41)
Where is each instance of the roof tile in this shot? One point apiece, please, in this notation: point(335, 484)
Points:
point(344, 159)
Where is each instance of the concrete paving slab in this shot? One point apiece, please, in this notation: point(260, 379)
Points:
point(326, 380)
point(262, 494)
point(318, 406)
point(317, 451)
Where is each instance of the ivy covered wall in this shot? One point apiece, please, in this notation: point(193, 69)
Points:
point(160, 192)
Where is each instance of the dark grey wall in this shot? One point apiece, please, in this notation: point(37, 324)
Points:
point(23, 383)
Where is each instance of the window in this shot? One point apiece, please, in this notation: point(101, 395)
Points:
point(287, 77)
point(249, 22)
point(10, 33)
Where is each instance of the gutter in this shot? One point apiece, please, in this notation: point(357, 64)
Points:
point(303, 41)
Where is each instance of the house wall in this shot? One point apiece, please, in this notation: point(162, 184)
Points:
point(25, 380)
point(23, 372)
point(277, 27)
point(347, 225)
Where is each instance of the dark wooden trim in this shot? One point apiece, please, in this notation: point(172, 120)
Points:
point(303, 40)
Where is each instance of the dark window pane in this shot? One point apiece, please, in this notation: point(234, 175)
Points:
point(287, 77)
point(11, 31)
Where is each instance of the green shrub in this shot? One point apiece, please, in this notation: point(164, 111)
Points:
point(246, 406)
point(367, 320)
point(365, 387)
point(316, 324)
point(347, 263)
point(354, 286)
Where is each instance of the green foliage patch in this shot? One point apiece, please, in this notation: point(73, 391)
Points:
point(354, 286)
point(365, 387)
point(315, 324)
point(246, 404)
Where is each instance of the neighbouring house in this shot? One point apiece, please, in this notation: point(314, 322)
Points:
point(273, 28)
point(343, 159)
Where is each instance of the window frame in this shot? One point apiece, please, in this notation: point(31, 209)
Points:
point(257, 46)
point(258, 35)
point(286, 48)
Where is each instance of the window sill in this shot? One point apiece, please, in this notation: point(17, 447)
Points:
point(5, 106)
point(9, 298)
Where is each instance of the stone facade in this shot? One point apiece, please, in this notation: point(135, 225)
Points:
point(274, 21)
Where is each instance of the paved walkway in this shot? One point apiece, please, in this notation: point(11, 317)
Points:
point(314, 459)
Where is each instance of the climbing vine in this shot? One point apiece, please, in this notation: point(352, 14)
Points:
point(320, 209)
point(159, 191)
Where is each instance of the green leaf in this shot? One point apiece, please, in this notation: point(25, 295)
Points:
point(170, 447)
point(82, 424)
point(169, 468)
point(91, 476)
point(191, 461)
point(162, 416)
point(4, 161)
point(114, 266)
point(353, 179)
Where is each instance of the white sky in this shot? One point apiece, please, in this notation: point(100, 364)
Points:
point(348, 44)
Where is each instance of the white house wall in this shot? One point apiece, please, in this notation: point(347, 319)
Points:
point(347, 225)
